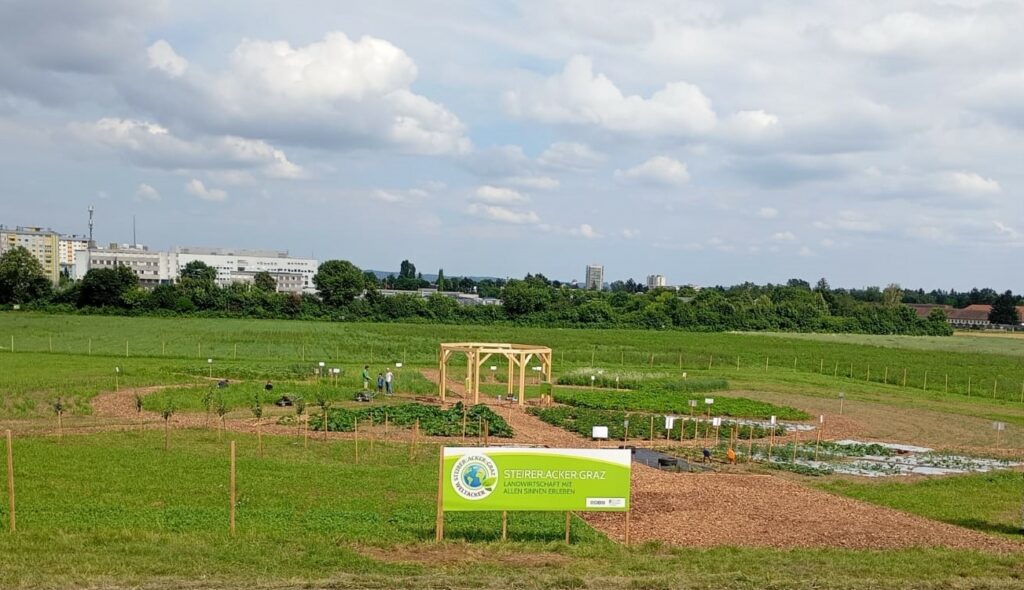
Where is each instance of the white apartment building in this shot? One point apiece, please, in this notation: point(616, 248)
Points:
point(153, 268)
point(655, 281)
point(594, 277)
point(293, 275)
point(41, 243)
point(69, 247)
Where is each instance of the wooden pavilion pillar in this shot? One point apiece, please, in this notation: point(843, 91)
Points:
point(522, 379)
point(511, 373)
point(476, 376)
point(443, 373)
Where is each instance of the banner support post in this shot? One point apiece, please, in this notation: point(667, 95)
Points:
point(439, 529)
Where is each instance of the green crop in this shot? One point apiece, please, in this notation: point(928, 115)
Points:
point(434, 421)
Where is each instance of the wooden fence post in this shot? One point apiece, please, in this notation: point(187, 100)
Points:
point(12, 521)
point(232, 485)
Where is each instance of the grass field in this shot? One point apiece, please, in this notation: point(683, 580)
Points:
point(989, 502)
point(957, 367)
point(115, 510)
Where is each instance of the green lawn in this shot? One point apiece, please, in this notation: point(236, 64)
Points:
point(116, 510)
point(990, 502)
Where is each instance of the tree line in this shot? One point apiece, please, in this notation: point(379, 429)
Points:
point(345, 292)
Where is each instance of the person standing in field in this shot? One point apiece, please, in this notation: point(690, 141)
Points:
point(388, 378)
point(731, 455)
point(380, 383)
point(366, 377)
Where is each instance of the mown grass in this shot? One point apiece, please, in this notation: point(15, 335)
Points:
point(989, 502)
point(115, 510)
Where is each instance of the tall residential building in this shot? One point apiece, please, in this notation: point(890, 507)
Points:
point(153, 268)
point(293, 275)
point(69, 247)
point(41, 243)
point(655, 281)
point(595, 277)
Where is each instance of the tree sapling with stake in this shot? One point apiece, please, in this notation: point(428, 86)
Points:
point(207, 401)
point(257, 411)
point(222, 410)
point(138, 403)
point(325, 404)
point(58, 409)
point(166, 413)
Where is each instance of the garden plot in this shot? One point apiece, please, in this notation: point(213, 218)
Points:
point(865, 459)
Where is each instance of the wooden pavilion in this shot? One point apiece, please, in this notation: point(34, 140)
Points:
point(518, 357)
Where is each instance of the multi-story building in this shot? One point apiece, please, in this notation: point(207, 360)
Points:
point(69, 247)
point(41, 243)
point(594, 277)
point(656, 281)
point(293, 275)
point(153, 268)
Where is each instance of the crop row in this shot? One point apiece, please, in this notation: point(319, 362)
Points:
point(641, 425)
point(665, 400)
point(433, 420)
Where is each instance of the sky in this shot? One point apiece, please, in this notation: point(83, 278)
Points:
point(711, 142)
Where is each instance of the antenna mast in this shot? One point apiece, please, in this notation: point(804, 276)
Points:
point(92, 243)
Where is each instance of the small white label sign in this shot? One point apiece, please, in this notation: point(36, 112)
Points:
point(599, 432)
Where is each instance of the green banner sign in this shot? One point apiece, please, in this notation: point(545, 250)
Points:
point(500, 478)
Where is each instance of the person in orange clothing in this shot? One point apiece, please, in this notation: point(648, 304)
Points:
point(730, 455)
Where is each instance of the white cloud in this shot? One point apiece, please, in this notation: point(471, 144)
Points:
point(972, 183)
point(750, 125)
point(150, 145)
point(784, 236)
point(578, 96)
point(571, 155)
point(541, 183)
point(502, 214)
point(147, 193)
point(585, 230)
point(849, 221)
point(163, 57)
point(496, 195)
point(768, 212)
point(916, 34)
point(660, 170)
point(630, 233)
point(1006, 230)
point(196, 188)
point(805, 252)
point(337, 92)
point(399, 196)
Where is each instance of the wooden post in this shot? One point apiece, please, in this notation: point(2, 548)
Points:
point(821, 366)
point(766, 362)
point(12, 521)
point(626, 535)
point(995, 381)
point(235, 353)
point(711, 361)
point(968, 386)
point(652, 431)
point(487, 433)
point(835, 370)
point(464, 412)
point(886, 378)
point(355, 433)
point(504, 525)
point(232, 492)
point(385, 426)
point(90, 346)
point(904, 376)
point(568, 517)
point(305, 433)
point(163, 347)
point(439, 524)
point(926, 379)
point(167, 433)
point(750, 443)
point(946, 388)
point(771, 442)
point(60, 425)
point(325, 424)
point(817, 441)
point(869, 373)
point(126, 349)
point(369, 434)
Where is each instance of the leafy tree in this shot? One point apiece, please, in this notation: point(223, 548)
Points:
point(892, 295)
point(440, 279)
point(264, 282)
point(21, 277)
point(1004, 311)
point(370, 279)
point(197, 270)
point(104, 287)
point(799, 284)
point(407, 270)
point(339, 282)
point(937, 314)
